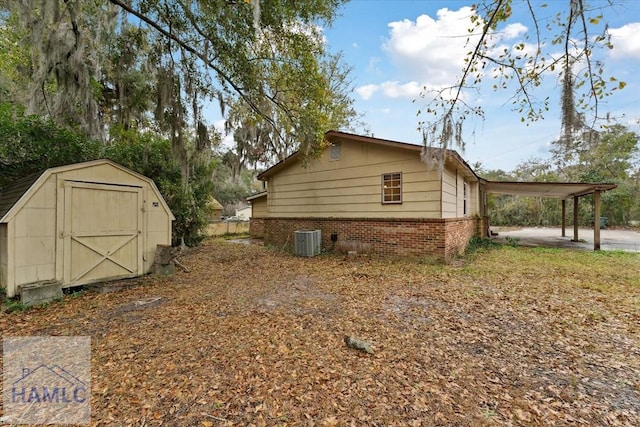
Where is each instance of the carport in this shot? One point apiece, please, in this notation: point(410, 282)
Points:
point(558, 190)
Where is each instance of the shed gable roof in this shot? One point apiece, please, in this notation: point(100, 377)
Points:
point(333, 135)
point(14, 196)
point(14, 191)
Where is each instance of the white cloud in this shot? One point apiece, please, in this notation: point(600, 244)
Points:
point(391, 89)
point(367, 91)
point(429, 53)
point(431, 50)
point(513, 31)
point(355, 45)
point(372, 67)
point(396, 90)
point(626, 41)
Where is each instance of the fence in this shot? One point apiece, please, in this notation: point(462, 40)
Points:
point(219, 228)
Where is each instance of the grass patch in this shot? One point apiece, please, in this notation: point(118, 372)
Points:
point(477, 244)
point(12, 304)
point(230, 236)
point(513, 241)
point(544, 250)
point(615, 254)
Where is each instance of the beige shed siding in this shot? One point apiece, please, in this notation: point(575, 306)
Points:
point(157, 224)
point(4, 256)
point(103, 173)
point(351, 187)
point(79, 214)
point(34, 256)
point(158, 227)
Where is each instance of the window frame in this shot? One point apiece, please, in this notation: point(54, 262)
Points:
point(335, 151)
point(465, 198)
point(390, 177)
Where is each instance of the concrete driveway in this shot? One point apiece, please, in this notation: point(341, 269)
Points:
point(626, 240)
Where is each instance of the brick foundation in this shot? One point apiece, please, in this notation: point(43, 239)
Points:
point(440, 238)
point(256, 227)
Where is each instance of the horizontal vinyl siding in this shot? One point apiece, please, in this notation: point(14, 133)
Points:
point(352, 187)
point(460, 200)
point(474, 198)
point(259, 207)
point(449, 194)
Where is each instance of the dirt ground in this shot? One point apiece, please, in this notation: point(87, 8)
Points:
point(253, 336)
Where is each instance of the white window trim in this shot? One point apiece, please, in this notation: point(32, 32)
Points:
point(465, 198)
point(382, 179)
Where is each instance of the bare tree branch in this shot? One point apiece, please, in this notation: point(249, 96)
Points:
point(171, 36)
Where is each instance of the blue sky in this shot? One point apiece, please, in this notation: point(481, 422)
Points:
point(396, 47)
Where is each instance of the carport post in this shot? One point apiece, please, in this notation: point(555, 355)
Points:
point(575, 218)
point(564, 219)
point(596, 220)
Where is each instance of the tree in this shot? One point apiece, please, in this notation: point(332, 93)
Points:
point(14, 61)
point(120, 72)
point(31, 144)
point(64, 39)
point(527, 64)
point(264, 53)
point(86, 64)
point(608, 156)
point(611, 156)
point(258, 142)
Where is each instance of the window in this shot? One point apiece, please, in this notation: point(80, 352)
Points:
point(392, 187)
point(336, 151)
point(465, 197)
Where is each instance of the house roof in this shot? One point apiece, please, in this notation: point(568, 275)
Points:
point(215, 204)
point(15, 195)
point(256, 196)
point(452, 155)
point(558, 190)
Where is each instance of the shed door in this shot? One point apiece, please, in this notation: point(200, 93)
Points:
point(102, 232)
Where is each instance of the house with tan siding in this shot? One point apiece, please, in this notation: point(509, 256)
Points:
point(258, 204)
point(372, 195)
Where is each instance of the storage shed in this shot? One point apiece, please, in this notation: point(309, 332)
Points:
point(78, 224)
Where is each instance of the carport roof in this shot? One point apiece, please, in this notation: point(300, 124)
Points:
point(558, 190)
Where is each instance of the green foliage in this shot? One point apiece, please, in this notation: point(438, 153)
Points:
point(30, 144)
point(12, 304)
point(14, 60)
point(513, 241)
point(565, 42)
point(141, 89)
point(610, 156)
point(152, 156)
point(478, 244)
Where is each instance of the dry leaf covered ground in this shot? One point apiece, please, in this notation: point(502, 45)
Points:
point(252, 336)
